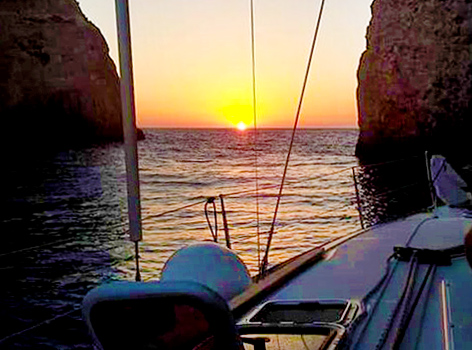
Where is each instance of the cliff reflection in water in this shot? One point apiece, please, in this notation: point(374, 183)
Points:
point(62, 234)
point(392, 190)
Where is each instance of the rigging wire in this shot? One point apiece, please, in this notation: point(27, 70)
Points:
point(297, 117)
point(254, 111)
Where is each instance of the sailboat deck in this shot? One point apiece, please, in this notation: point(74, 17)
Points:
point(351, 270)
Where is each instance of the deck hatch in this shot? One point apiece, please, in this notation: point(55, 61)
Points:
point(301, 312)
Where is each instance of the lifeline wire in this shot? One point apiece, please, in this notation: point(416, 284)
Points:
point(267, 187)
point(39, 325)
point(38, 246)
point(297, 117)
point(155, 216)
point(254, 110)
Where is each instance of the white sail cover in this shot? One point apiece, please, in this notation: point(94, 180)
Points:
point(449, 186)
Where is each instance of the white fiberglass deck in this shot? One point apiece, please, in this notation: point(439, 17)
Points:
point(442, 316)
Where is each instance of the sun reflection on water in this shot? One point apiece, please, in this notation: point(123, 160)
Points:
point(317, 205)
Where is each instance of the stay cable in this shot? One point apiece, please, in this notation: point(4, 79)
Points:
point(295, 125)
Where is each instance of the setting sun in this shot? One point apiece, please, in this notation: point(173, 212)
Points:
point(241, 126)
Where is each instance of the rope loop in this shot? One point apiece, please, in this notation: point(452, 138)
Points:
point(214, 233)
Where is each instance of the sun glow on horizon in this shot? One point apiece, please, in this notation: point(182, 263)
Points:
point(212, 86)
point(241, 126)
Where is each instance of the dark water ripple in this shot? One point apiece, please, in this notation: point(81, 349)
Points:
point(61, 221)
point(63, 216)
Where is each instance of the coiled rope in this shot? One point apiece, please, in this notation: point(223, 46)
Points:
point(297, 117)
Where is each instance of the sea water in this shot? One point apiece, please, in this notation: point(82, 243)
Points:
point(64, 222)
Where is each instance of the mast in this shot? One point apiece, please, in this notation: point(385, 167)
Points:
point(129, 124)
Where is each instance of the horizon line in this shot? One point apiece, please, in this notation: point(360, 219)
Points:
point(259, 128)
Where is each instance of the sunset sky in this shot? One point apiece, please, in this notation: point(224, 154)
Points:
point(192, 60)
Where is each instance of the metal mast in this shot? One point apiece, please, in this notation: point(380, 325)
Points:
point(129, 125)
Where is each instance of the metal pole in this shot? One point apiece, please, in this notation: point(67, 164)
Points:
point(430, 181)
point(136, 255)
point(129, 121)
point(225, 222)
point(359, 209)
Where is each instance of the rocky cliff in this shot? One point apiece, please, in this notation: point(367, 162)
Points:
point(57, 82)
point(415, 79)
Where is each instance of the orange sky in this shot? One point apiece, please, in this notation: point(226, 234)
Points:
point(192, 60)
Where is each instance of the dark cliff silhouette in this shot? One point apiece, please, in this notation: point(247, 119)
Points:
point(415, 80)
point(58, 84)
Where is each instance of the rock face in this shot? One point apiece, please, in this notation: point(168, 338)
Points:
point(57, 81)
point(415, 78)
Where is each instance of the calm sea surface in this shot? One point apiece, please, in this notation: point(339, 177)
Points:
point(63, 220)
